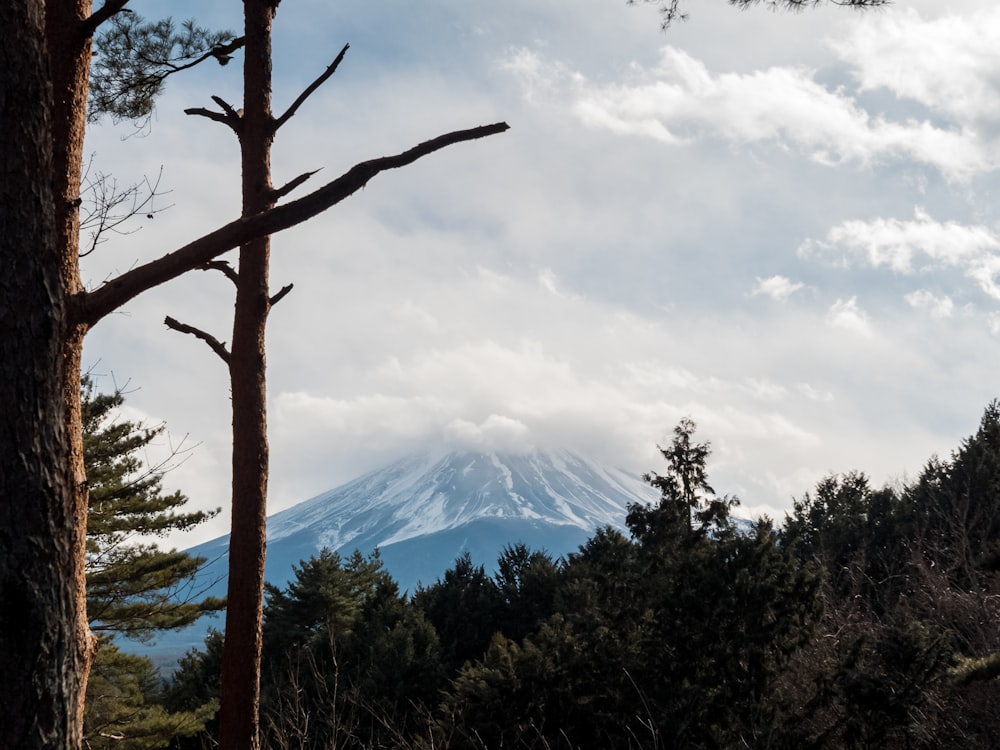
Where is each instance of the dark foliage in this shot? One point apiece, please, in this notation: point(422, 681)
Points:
point(866, 621)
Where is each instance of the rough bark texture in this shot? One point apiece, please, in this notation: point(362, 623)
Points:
point(41, 659)
point(239, 715)
point(68, 38)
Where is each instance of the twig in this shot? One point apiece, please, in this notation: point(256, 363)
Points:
point(102, 14)
point(229, 116)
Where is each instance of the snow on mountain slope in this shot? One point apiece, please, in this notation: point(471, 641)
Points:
point(421, 495)
point(436, 508)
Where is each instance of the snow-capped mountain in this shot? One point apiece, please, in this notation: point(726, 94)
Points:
point(424, 511)
point(419, 496)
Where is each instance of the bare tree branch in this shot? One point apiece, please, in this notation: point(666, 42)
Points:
point(213, 343)
point(90, 307)
point(229, 116)
point(280, 295)
point(291, 185)
point(105, 207)
point(225, 268)
point(212, 115)
point(226, 106)
point(330, 70)
point(102, 14)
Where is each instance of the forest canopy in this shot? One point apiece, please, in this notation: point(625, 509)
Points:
point(867, 618)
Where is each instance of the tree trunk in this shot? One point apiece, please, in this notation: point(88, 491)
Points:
point(68, 38)
point(240, 709)
point(42, 655)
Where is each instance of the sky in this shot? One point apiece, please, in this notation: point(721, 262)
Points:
point(784, 226)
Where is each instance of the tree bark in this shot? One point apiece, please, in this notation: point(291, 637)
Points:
point(42, 658)
point(68, 32)
point(239, 714)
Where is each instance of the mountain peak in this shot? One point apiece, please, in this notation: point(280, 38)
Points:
point(425, 494)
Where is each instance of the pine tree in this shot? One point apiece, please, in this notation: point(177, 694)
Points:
point(133, 589)
point(349, 661)
point(462, 606)
point(677, 637)
point(124, 709)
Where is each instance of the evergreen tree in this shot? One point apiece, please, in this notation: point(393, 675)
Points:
point(956, 505)
point(860, 536)
point(124, 705)
point(526, 584)
point(688, 504)
point(675, 638)
point(348, 662)
point(462, 606)
point(133, 588)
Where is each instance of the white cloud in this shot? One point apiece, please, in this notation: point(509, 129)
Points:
point(939, 307)
point(848, 315)
point(921, 244)
point(948, 64)
point(541, 79)
point(681, 100)
point(548, 280)
point(495, 433)
point(778, 288)
point(765, 389)
point(894, 242)
point(812, 393)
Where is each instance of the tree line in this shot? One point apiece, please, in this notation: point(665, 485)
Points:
point(866, 618)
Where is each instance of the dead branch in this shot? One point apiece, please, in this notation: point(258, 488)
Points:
point(213, 343)
point(291, 185)
point(330, 70)
point(211, 115)
point(226, 107)
point(229, 116)
point(280, 295)
point(90, 307)
point(227, 270)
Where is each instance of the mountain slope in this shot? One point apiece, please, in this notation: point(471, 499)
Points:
point(422, 512)
point(494, 497)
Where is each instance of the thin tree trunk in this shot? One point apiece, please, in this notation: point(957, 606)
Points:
point(239, 718)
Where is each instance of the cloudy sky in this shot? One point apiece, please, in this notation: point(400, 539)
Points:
point(784, 226)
